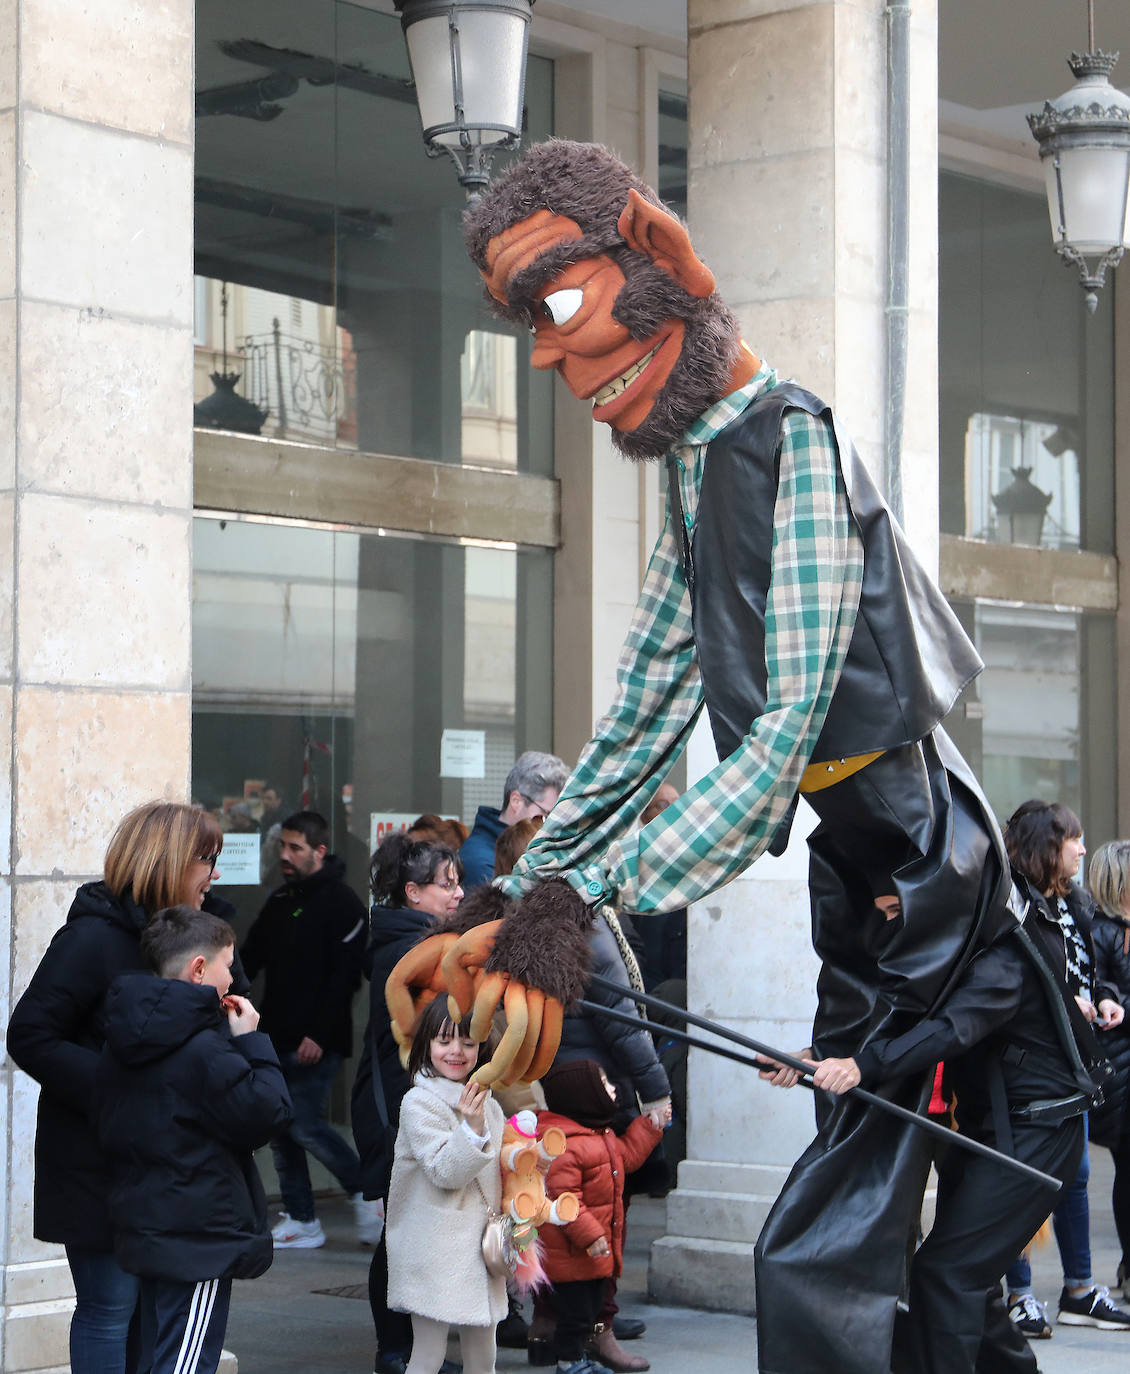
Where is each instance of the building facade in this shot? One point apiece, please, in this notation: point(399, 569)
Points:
point(406, 557)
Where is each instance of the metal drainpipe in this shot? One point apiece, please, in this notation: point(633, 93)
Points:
point(898, 243)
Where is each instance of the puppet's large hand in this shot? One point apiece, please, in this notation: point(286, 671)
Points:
point(533, 958)
point(534, 962)
point(418, 977)
point(413, 983)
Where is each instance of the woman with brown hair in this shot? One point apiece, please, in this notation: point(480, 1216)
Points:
point(162, 854)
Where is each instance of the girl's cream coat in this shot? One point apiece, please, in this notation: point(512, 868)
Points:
point(436, 1214)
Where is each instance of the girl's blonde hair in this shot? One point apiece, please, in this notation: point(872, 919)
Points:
point(152, 848)
point(1108, 877)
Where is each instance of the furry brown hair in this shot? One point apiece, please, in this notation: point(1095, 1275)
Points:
point(583, 181)
point(545, 943)
point(590, 185)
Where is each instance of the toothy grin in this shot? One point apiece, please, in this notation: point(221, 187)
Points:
point(620, 384)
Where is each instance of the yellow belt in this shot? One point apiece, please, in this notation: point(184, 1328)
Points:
point(817, 776)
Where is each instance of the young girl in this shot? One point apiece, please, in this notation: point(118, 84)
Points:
point(444, 1176)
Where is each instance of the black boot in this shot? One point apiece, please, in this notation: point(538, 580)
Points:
point(512, 1331)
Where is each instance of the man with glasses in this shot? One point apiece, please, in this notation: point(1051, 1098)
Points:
point(532, 787)
point(308, 941)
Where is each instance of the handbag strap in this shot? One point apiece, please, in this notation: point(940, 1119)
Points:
point(375, 1075)
point(492, 1212)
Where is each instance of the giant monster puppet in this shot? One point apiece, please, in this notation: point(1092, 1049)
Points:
point(783, 597)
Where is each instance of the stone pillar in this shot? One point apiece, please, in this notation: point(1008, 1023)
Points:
point(95, 499)
point(788, 206)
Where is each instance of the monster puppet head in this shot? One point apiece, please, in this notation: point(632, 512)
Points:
point(574, 246)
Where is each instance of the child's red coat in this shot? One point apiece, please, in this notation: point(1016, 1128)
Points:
point(593, 1166)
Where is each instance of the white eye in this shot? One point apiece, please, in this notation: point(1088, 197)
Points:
point(561, 306)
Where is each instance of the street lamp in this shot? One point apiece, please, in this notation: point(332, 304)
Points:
point(1084, 138)
point(1024, 506)
point(469, 64)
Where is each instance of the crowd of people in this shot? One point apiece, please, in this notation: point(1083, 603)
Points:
point(158, 1084)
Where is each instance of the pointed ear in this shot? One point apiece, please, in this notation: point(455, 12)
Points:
point(661, 237)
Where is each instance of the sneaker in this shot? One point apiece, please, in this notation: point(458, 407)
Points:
point(1122, 1283)
point(1093, 1308)
point(1030, 1317)
point(298, 1235)
point(370, 1219)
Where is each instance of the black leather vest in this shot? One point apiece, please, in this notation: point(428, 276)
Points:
point(909, 658)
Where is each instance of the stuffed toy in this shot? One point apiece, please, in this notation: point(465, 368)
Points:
point(525, 1160)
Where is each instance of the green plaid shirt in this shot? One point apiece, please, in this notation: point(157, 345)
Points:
point(726, 820)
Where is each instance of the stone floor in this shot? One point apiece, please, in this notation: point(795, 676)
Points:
point(310, 1311)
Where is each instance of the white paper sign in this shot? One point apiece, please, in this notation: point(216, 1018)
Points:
point(238, 865)
point(463, 754)
point(385, 823)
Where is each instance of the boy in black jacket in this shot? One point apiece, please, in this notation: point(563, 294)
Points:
point(187, 1088)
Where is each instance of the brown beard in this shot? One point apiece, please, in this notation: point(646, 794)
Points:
point(702, 373)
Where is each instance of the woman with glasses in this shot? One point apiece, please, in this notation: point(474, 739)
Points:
point(162, 854)
point(416, 887)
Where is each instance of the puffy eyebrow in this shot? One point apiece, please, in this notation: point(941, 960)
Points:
point(526, 286)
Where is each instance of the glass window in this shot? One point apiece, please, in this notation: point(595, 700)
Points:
point(672, 186)
point(1036, 723)
point(327, 665)
point(350, 297)
point(1027, 376)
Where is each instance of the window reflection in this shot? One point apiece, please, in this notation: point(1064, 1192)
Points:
point(1026, 377)
point(996, 447)
point(351, 298)
point(330, 662)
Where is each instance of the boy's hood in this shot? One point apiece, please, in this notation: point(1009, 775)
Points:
point(148, 1017)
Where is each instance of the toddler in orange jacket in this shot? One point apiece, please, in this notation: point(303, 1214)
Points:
point(580, 1256)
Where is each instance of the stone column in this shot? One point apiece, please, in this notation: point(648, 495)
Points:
point(788, 205)
point(95, 499)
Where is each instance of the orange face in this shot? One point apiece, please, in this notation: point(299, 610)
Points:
point(573, 326)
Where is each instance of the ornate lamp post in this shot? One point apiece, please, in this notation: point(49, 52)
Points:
point(469, 64)
point(1084, 138)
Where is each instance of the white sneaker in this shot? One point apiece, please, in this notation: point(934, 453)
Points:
point(298, 1235)
point(370, 1218)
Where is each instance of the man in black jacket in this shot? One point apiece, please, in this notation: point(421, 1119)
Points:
point(309, 940)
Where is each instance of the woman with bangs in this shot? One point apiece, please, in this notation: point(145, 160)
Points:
point(162, 854)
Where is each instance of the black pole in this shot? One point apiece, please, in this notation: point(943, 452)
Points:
point(872, 1099)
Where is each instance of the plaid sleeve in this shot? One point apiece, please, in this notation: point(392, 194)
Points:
point(658, 699)
point(726, 820)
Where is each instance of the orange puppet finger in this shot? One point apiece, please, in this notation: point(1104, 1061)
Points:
point(419, 968)
point(535, 1010)
point(469, 952)
point(552, 1016)
point(517, 1023)
point(487, 996)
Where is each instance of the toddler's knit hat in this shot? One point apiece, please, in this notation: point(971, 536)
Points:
point(573, 1088)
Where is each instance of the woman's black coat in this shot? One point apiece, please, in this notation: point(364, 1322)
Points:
point(393, 932)
point(56, 1035)
point(1112, 965)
